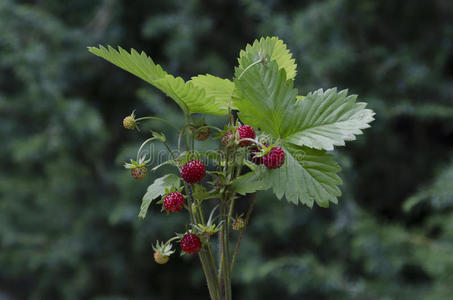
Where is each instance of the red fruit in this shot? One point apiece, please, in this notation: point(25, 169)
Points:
point(190, 243)
point(139, 173)
point(275, 158)
point(173, 202)
point(193, 172)
point(245, 131)
point(253, 152)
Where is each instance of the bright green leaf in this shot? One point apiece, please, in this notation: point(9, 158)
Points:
point(156, 190)
point(219, 88)
point(248, 183)
point(307, 176)
point(273, 49)
point(190, 98)
point(267, 98)
point(327, 118)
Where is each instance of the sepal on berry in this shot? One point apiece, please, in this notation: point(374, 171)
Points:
point(138, 168)
point(162, 252)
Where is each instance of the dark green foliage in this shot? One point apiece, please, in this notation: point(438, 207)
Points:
point(68, 211)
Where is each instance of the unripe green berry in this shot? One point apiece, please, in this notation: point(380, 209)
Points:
point(129, 122)
point(238, 224)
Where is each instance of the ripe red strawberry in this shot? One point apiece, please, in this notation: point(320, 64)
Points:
point(253, 152)
point(275, 158)
point(173, 202)
point(190, 243)
point(139, 173)
point(193, 172)
point(245, 131)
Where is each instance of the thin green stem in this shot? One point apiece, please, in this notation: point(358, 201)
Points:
point(196, 215)
point(247, 217)
point(157, 119)
point(226, 252)
point(143, 145)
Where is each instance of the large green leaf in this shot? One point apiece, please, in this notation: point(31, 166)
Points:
point(190, 98)
point(327, 118)
point(219, 88)
point(272, 49)
point(248, 183)
point(157, 189)
point(266, 98)
point(307, 176)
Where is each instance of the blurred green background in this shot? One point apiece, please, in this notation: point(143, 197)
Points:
point(68, 210)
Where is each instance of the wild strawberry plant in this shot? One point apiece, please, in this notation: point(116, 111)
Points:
point(279, 140)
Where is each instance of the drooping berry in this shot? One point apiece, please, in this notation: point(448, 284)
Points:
point(190, 243)
point(162, 252)
point(160, 258)
point(201, 134)
point(258, 160)
point(275, 158)
point(129, 122)
point(174, 202)
point(193, 172)
point(139, 172)
point(244, 131)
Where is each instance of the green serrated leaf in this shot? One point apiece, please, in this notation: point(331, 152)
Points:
point(218, 88)
point(156, 189)
point(190, 98)
point(267, 98)
point(325, 119)
point(307, 176)
point(271, 48)
point(248, 183)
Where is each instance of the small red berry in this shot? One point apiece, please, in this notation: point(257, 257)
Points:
point(174, 202)
point(245, 131)
point(253, 152)
point(275, 158)
point(193, 172)
point(190, 243)
point(139, 173)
